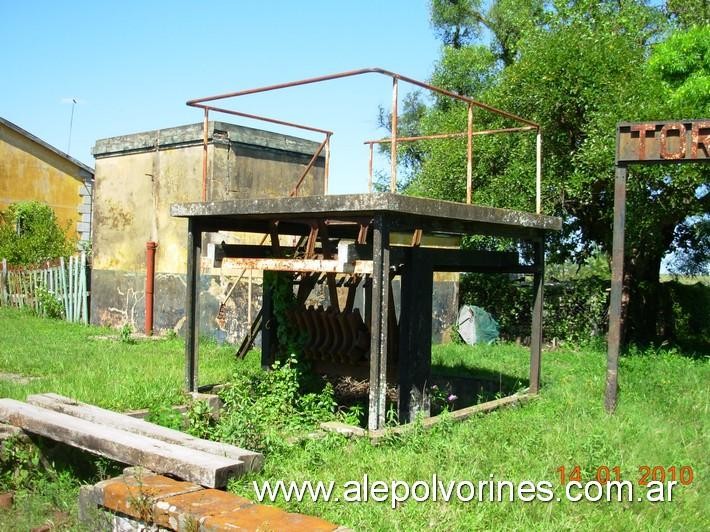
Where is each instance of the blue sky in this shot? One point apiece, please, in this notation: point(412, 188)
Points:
point(132, 65)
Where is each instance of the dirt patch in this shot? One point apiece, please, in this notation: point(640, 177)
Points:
point(6, 500)
point(134, 336)
point(349, 390)
point(16, 378)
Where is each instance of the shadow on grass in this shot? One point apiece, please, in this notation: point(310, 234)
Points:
point(469, 385)
point(58, 458)
point(472, 385)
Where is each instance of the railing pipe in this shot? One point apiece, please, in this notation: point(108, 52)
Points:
point(326, 172)
point(350, 73)
point(369, 179)
point(205, 137)
point(294, 191)
point(452, 135)
point(393, 145)
point(538, 173)
point(469, 156)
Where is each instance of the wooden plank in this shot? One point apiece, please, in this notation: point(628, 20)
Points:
point(196, 466)
point(63, 287)
point(84, 295)
point(3, 283)
point(297, 265)
point(457, 415)
point(67, 405)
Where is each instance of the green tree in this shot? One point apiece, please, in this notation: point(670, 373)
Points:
point(688, 13)
point(578, 69)
point(459, 22)
point(30, 233)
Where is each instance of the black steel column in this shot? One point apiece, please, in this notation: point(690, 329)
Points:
point(536, 329)
point(194, 252)
point(268, 330)
point(378, 326)
point(415, 335)
point(617, 288)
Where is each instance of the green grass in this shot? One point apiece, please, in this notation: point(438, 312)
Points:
point(81, 362)
point(662, 419)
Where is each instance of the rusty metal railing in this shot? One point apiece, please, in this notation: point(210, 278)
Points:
point(528, 125)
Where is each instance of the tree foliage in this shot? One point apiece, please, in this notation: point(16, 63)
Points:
point(577, 68)
point(30, 233)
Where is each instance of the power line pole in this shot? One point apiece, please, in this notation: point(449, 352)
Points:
point(71, 124)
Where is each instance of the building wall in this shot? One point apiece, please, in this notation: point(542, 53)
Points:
point(139, 176)
point(32, 171)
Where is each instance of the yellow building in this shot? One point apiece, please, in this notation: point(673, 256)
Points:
point(31, 169)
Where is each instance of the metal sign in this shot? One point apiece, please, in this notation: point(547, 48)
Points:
point(643, 143)
point(658, 142)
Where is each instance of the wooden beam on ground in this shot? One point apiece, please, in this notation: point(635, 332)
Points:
point(197, 466)
point(456, 415)
point(66, 405)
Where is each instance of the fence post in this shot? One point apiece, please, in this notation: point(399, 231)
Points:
point(63, 286)
point(84, 293)
point(3, 283)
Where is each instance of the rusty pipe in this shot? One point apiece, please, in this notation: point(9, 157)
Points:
point(294, 191)
point(453, 135)
point(469, 156)
point(393, 144)
point(150, 248)
point(205, 139)
point(263, 118)
point(374, 70)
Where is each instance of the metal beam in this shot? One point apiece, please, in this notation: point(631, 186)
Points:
point(415, 336)
point(536, 328)
point(380, 320)
point(617, 288)
point(194, 251)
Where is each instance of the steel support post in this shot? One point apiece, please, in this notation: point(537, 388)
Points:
point(536, 329)
point(617, 288)
point(378, 327)
point(194, 252)
point(268, 330)
point(415, 336)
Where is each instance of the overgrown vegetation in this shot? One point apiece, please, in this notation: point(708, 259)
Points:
point(663, 398)
point(30, 234)
point(93, 365)
point(576, 68)
point(49, 305)
point(262, 409)
point(575, 309)
point(661, 420)
point(45, 478)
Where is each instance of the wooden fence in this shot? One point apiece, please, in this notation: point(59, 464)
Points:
point(63, 280)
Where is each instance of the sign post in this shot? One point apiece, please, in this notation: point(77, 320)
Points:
point(642, 143)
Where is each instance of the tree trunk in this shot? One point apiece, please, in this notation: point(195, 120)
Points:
point(641, 297)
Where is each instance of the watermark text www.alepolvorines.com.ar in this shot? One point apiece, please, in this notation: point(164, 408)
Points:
point(395, 492)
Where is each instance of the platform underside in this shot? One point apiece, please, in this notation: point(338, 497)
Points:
point(403, 212)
